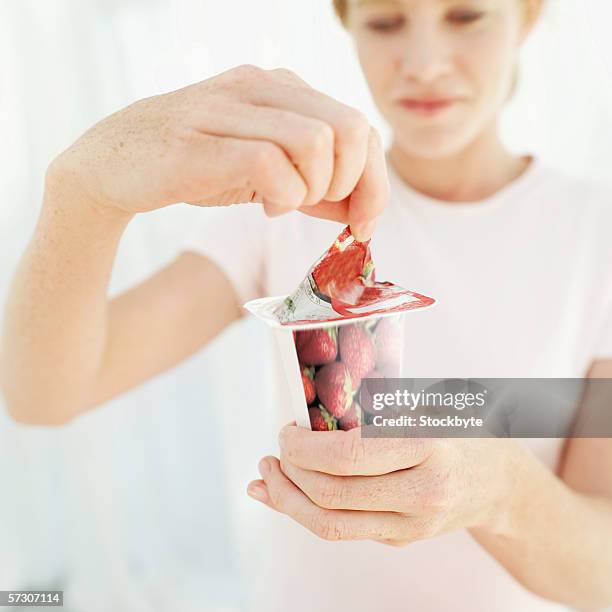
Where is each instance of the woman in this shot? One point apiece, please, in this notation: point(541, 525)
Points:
point(520, 525)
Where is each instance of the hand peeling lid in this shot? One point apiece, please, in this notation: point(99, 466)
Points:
point(341, 286)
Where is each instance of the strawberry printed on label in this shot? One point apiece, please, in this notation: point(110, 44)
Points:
point(357, 351)
point(309, 388)
point(341, 285)
point(345, 270)
point(321, 420)
point(351, 418)
point(317, 346)
point(334, 388)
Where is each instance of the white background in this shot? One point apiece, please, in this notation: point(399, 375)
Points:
point(140, 505)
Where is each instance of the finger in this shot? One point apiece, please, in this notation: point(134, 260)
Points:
point(285, 497)
point(367, 201)
point(371, 194)
point(350, 127)
point(288, 76)
point(307, 141)
point(238, 168)
point(258, 490)
point(395, 492)
point(347, 453)
point(332, 211)
point(271, 174)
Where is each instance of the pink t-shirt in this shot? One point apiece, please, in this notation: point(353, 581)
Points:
point(523, 281)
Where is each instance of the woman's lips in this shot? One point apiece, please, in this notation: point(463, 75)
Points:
point(427, 107)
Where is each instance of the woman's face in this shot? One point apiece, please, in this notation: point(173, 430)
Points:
point(460, 51)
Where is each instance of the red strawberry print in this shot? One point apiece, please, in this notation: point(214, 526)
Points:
point(321, 420)
point(344, 269)
point(357, 351)
point(308, 382)
point(351, 418)
point(334, 388)
point(317, 346)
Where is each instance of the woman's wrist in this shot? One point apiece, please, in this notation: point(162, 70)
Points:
point(513, 478)
point(65, 193)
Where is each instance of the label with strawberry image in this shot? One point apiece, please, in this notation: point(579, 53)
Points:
point(335, 361)
point(341, 285)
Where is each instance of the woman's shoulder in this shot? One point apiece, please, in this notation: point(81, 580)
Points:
point(574, 190)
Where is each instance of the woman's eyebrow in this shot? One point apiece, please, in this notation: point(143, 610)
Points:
point(366, 2)
point(391, 2)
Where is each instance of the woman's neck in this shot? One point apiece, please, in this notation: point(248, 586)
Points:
point(475, 173)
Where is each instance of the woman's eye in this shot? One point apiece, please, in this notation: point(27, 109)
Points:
point(465, 17)
point(386, 24)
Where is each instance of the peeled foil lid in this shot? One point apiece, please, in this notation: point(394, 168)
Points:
point(339, 287)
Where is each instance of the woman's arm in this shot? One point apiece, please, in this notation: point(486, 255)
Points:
point(557, 540)
point(247, 134)
point(562, 543)
point(65, 348)
point(586, 471)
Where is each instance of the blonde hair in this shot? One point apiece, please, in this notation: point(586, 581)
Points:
point(341, 8)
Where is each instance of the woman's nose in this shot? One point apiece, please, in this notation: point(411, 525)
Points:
point(425, 56)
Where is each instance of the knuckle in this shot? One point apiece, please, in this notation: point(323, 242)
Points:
point(350, 453)
point(354, 127)
point(327, 494)
point(319, 139)
point(264, 157)
point(283, 73)
point(245, 72)
point(328, 528)
point(268, 168)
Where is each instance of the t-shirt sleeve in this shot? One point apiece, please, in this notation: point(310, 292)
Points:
point(234, 238)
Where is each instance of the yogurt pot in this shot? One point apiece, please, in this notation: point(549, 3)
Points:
point(337, 331)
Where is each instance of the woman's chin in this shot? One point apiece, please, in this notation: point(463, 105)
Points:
point(430, 144)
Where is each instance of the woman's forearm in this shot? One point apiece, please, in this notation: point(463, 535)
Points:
point(55, 319)
point(555, 541)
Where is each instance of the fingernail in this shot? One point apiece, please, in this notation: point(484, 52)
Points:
point(364, 232)
point(264, 467)
point(258, 492)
